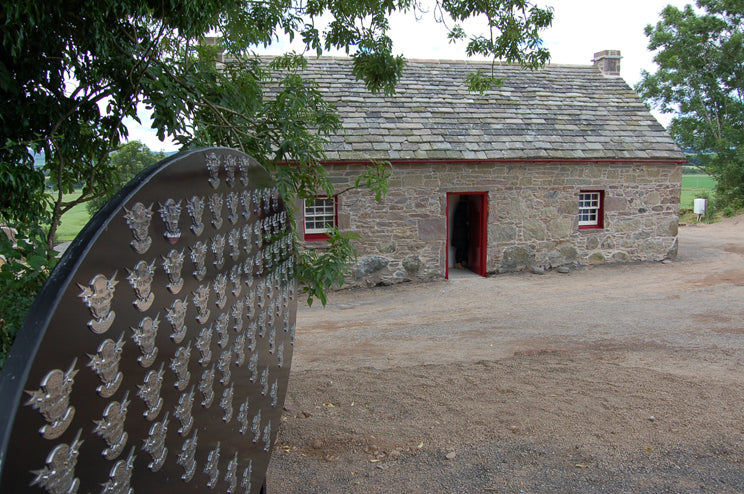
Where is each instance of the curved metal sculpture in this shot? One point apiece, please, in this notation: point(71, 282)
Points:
point(156, 357)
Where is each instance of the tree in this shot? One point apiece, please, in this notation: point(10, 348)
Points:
point(68, 80)
point(126, 163)
point(700, 80)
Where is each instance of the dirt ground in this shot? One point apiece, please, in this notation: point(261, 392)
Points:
point(608, 379)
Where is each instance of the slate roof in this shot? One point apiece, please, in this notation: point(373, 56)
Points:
point(558, 112)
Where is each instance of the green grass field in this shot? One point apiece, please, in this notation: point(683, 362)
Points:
point(694, 186)
point(72, 221)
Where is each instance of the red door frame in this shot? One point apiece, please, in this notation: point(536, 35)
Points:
point(480, 234)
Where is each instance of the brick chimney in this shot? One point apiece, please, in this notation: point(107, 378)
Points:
point(608, 62)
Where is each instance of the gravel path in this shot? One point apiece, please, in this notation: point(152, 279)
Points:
point(609, 379)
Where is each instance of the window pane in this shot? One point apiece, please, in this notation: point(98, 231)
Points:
point(589, 207)
point(320, 214)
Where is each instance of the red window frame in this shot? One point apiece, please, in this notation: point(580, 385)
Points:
point(586, 204)
point(318, 236)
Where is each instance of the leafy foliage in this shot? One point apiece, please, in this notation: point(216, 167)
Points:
point(24, 269)
point(126, 163)
point(69, 81)
point(700, 81)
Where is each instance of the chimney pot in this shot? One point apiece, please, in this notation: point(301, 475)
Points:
point(608, 62)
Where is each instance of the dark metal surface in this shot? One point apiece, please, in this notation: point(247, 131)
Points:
point(157, 355)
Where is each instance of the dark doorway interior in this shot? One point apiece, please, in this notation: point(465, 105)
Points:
point(466, 231)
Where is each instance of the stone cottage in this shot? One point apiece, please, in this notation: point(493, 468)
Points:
point(562, 166)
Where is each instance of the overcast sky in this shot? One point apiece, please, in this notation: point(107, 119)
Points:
point(580, 28)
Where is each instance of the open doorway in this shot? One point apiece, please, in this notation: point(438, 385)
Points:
point(467, 226)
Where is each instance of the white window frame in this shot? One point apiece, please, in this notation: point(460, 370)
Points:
point(319, 215)
point(590, 208)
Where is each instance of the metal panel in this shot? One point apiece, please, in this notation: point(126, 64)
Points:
point(157, 355)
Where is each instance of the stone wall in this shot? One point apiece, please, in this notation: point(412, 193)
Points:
point(532, 217)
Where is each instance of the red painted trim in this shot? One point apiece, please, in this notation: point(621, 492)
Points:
point(502, 160)
point(447, 237)
point(316, 237)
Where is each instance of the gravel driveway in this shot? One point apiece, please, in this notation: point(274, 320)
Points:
point(622, 378)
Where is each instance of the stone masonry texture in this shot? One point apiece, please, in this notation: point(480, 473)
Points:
point(531, 145)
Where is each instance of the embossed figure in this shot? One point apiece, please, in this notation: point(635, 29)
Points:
point(144, 336)
point(264, 382)
point(201, 301)
point(58, 476)
point(230, 166)
point(280, 354)
point(243, 417)
point(171, 212)
point(218, 249)
point(245, 201)
point(253, 366)
point(141, 280)
point(258, 238)
point(231, 474)
point(226, 403)
point(224, 366)
point(272, 339)
point(274, 392)
point(237, 314)
point(176, 316)
point(206, 387)
point(239, 349)
point(247, 234)
point(211, 468)
point(233, 201)
point(186, 458)
point(98, 296)
point(220, 289)
point(248, 305)
point(120, 477)
point(267, 436)
point(180, 366)
point(261, 297)
point(235, 279)
point(195, 208)
point(172, 264)
point(105, 363)
point(248, 270)
point(221, 328)
point(244, 164)
point(267, 196)
point(256, 426)
point(183, 412)
point(233, 240)
point(245, 482)
point(213, 165)
point(198, 257)
point(204, 344)
point(154, 444)
point(53, 401)
point(138, 219)
point(149, 392)
point(256, 202)
point(111, 427)
point(215, 207)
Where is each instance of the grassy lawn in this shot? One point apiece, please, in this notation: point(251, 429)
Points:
point(693, 186)
point(72, 221)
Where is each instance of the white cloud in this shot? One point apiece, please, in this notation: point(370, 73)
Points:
point(144, 133)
